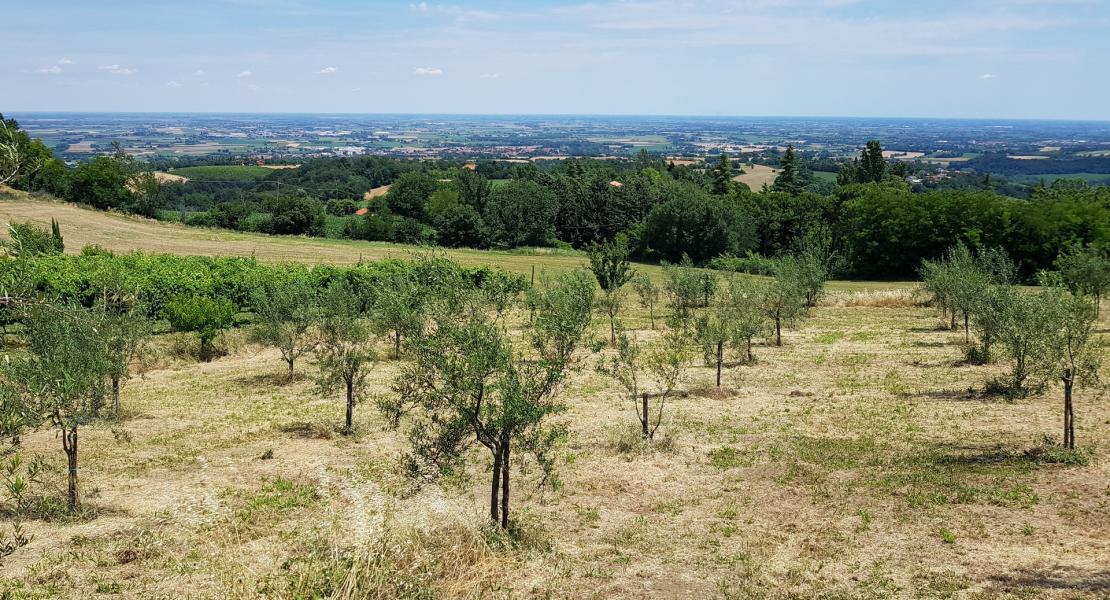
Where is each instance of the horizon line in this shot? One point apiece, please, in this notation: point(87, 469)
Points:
point(578, 115)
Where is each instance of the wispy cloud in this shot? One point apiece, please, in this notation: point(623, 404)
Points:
point(51, 70)
point(328, 70)
point(244, 74)
point(174, 84)
point(199, 73)
point(119, 70)
point(65, 61)
point(988, 76)
point(489, 76)
point(427, 71)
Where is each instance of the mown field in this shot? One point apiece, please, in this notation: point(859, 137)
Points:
point(859, 460)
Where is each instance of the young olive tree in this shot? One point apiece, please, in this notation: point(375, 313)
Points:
point(645, 372)
point(471, 382)
point(203, 315)
point(991, 311)
point(734, 320)
point(1086, 270)
point(648, 293)
point(344, 355)
point(684, 289)
point(1078, 352)
point(398, 309)
point(1028, 334)
point(62, 380)
point(784, 298)
point(286, 312)
point(610, 266)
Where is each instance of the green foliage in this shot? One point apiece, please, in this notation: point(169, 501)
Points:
point(29, 240)
point(722, 176)
point(284, 315)
point(295, 215)
point(648, 293)
point(691, 222)
point(784, 299)
point(224, 172)
point(470, 382)
point(201, 314)
point(520, 213)
point(788, 179)
point(1085, 270)
point(345, 353)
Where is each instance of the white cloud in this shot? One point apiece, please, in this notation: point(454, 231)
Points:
point(51, 70)
point(244, 74)
point(173, 84)
point(65, 61)
point(426, 71)
point(118, 70)
point(199, 73)
point(328, 70)
point(356, 89)
point(253, 86)
point(988, 76)
point(489, 76)
point(421, 7)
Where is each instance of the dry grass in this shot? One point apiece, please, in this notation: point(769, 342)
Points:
point(896, 298)
point(756, 176)
point(850, 463)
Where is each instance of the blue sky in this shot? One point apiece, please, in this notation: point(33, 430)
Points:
point(937, 58)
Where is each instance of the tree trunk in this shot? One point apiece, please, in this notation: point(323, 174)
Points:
point(493, 500)
point(645, 432)
point(651, 315)
point(778, 331)
point(720, 359)
point(750, 357)
point(397, 344)
point(69, 444)
point(1069, 417)
point(612, 330)
point(505, 444)
point(350, 405)
point(967, 329)
point(290, 361)
point(952, 322)
point(115, 395)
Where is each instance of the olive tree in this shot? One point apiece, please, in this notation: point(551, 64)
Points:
point(285, 313)
point(734, 319)
point(345, 354)
point(644, 372)
point(1028, 335)
point(610, 266)
point(1085, 270)
point(648, 293)
point(470, 381)
point(684, 289)
point(784, 298)
point(62, 379)
point(1078, 352)
point(398, 309)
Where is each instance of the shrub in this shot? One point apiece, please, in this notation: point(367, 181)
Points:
point(203, 315)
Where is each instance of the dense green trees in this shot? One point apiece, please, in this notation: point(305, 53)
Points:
point(201, 314)
point(789, 179)
point(520, 213)
point(691, 222)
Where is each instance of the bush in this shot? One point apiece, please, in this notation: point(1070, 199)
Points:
point(260, 222)
point(411, 231)
point(750, 263)
point(29, 240)
point(341, 208)
point(295, 215)
point(199, 219)
point(206, 316)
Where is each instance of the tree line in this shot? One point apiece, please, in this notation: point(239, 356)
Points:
point(877, 224)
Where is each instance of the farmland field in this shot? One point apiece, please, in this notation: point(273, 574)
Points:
point(860, 460)
point(224, 173)
point(756, 176)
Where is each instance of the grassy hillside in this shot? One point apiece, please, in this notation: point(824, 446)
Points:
point(224, 173)
point(123, 233)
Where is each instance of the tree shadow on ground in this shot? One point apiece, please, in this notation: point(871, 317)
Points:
point(1059, 578)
